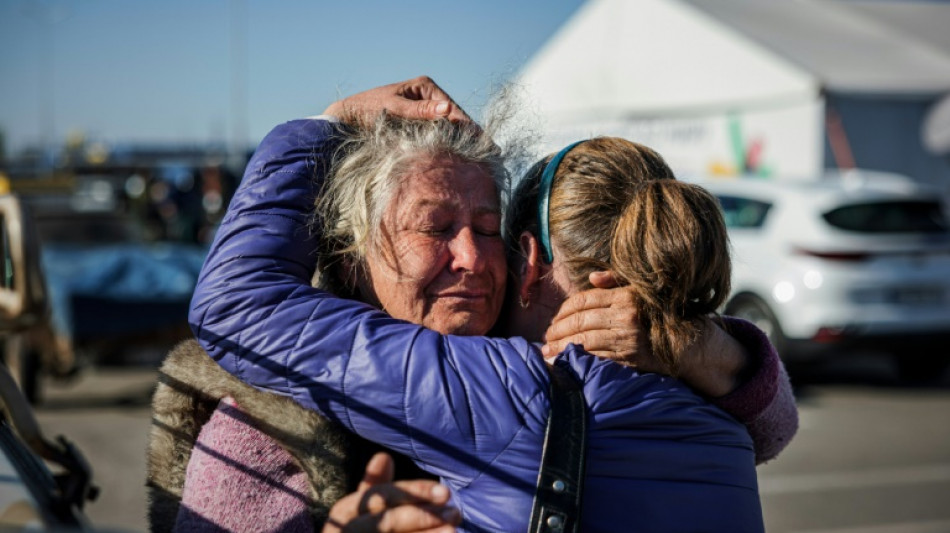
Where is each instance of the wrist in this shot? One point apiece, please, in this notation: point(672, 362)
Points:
point(717, 362)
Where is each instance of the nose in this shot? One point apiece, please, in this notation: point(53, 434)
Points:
point(467, 254)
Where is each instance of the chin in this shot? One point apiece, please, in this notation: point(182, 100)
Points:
point(464, 327)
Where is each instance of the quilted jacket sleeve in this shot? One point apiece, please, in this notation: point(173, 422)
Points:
point(451, 403)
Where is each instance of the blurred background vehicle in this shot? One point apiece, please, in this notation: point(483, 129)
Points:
point(120, 250)
point(859, 259)
point(32, 497)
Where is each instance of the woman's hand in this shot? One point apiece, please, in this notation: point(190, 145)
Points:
point(381, 505)
point(604, 320)
point(419, 98)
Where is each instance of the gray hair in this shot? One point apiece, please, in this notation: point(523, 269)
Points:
point(367, 169)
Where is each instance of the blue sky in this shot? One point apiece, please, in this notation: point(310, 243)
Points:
point(138, 71)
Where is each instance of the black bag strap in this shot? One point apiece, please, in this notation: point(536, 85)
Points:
point(557, 501)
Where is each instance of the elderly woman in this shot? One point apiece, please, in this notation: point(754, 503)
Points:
point(469, 409)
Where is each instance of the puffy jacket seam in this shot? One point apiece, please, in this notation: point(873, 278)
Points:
point(286, 366)
point(688, 440)
point(238, 361)
point(264, 212)
point(263, 173)
point(405, 403)
point(509, 443)
point(697, 482)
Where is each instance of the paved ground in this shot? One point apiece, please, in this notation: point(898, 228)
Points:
point(871, 456)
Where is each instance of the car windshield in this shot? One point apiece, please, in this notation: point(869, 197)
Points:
point(890, 217)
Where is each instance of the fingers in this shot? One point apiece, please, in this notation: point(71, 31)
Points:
point(417, 505)
point(606, 293)
point(576, 324)
point(603, 279)
point(379, 505)
point(426, 110)
point(433, 101)
point(609, 343)
point(589, 311)
point(419, 491)
point(380, 469)
point(595, 299)
point(605, 322)
point(416, 99)
point(407, 518)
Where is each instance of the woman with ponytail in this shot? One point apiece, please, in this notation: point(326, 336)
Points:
point(664, 239)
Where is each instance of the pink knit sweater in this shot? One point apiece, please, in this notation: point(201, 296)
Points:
point(239, 479)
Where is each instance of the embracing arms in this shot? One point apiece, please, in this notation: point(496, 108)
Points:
point(253, 300)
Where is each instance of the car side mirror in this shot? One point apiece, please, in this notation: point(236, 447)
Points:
point(22, 286)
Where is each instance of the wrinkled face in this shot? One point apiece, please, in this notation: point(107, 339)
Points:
point(441, 259)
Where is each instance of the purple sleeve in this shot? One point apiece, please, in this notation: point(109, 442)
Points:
point(764, 403)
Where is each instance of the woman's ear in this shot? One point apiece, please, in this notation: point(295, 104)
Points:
point(530, 268)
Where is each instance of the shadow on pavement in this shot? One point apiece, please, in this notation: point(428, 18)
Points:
point(102, 387)
point(860, 370)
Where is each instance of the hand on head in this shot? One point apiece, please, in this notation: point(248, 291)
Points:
point(379, 504)
point(419, 98)
point(604, 320)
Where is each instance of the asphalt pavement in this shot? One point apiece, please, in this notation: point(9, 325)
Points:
point(872, 454)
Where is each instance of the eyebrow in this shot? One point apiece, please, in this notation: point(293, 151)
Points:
point(480, 210)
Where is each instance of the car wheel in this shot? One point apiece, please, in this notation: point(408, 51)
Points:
point(754, 310)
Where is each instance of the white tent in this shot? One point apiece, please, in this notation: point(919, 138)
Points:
point(729, 86)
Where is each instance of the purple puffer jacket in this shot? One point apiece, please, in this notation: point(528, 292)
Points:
point(471, 410)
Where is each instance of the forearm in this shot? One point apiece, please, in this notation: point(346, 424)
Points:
point(717, 363)
point(239, 286)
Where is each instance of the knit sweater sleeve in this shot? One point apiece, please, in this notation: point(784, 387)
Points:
point(765, 403)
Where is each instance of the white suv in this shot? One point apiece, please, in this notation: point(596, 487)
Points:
point(857, 258)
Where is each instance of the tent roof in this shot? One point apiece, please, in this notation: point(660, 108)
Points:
point(850, 46)
point(645, 58)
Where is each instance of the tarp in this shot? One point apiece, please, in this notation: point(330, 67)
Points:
point(135, 287)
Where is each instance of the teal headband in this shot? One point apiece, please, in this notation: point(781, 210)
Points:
point(544, 200)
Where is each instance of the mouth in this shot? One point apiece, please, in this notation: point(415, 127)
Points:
point(463, 295)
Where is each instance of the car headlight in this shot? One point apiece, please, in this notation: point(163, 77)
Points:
point(783, 291)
